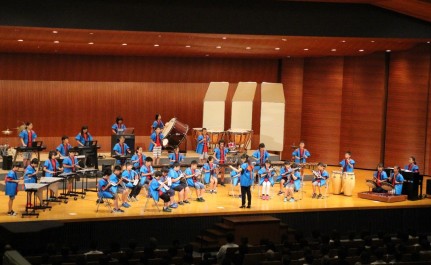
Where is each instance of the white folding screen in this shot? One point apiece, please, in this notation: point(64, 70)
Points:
point(214, 106)
point(242, 106)
point(272, 116)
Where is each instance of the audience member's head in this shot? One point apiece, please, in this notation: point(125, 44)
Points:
point(324, 239)
point(230, 238)
point(365, 257)
point(378, 253)
point(335, 235)
point(93, 245)
point(132, 244)
point(403, 236)
point(368, 241)
point(285, 260)
point(352, 235)
point(342, 253)
point(415, 256)
point(309, 258)
point(315, 234)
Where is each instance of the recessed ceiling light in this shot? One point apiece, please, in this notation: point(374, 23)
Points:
point(56, 41)
point(188, 46)
point(288, 56)
point(218, 47)
point(388, 50)
point(372, 41)
point(54, 31)
point(248, 48)
point(284, 39)
point(305, 49)
point(91, 33)
point(277, 49)
point(333, 50)
point(124, 44)
point(207, 55)
point(224, 38)
point(20, 40)
point(159, 36)
point(361, 50)
point(156, 45)
point(343, 41)
point(428, 42)
point(91, 43)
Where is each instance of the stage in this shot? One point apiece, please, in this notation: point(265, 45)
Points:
point(77, 221)
point(84, 209)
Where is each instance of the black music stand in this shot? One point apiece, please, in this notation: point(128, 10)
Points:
point(87, 173)
point(89, 150)
point(35, 146)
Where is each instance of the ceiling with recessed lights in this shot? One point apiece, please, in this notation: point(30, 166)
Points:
point(123, 40)
point(128, 43)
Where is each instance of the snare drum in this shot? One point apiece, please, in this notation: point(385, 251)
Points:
point(371, 184)
point(174, 133)
point(195, 134)
point(349, 180)
point(336, 182)
point(241, 138)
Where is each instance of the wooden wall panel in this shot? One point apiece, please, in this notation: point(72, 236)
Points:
point(427, 163)
point(93, 90)
point(292, 78)
point(407, 106)
point(321, 107)
point(135, 69)
point(362, 112)
point(61, 107)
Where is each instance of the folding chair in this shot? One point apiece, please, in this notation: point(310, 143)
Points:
point(103, 200)
point(232, 184)
point(258, 184)
point(150, 198)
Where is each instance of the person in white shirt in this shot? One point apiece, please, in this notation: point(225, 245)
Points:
point(230, 238)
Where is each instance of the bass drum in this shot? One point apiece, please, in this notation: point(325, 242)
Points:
point(174, 133)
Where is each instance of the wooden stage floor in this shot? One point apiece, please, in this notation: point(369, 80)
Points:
point(216, 204)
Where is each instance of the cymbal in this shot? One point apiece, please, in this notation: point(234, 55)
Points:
point(294, 146)
point(7, 132)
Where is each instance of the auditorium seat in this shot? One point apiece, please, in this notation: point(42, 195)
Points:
point(156, 261)
point(254, 258)
point(94, 257)
point(275, 262)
